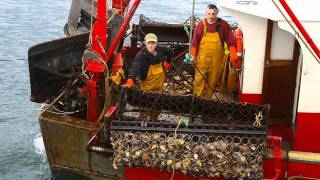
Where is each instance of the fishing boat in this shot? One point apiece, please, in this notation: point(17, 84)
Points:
point(274, 118)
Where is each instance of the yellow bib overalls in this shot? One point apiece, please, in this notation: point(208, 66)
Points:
point(209, 62)
point(154, 80)
point(229, 78)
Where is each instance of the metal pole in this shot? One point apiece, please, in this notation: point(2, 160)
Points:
point(191, 26)
point(300, 27)
point(99, 31)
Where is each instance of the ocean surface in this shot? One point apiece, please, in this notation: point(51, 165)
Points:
point(24, 23)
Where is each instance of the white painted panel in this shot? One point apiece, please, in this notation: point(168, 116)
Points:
point(297, 88)
point(254, 32)
point(282, 44)
point(309, 98)
point(305, 10)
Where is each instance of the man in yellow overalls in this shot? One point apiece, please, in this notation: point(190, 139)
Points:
point(207, 51)
point(229, 80)
point(150, 65)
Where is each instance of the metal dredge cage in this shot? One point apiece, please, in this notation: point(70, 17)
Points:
point(222, 139)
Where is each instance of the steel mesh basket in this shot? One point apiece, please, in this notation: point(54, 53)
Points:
point(222, 139)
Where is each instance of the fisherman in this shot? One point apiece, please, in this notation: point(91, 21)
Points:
point(229, 85)
point(150, 65)
point(207, 51)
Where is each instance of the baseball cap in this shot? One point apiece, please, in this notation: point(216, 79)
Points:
point(151, 37)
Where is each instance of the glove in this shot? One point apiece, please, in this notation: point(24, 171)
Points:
point(166, 66)
point(194, 54)
point(237, 64)
point(118, 77)
point(235, 60)
point(239, 40)
point(129, 84)
point(188, 58)
point(233, 55)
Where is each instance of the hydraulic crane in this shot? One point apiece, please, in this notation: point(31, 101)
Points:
point(96, 67)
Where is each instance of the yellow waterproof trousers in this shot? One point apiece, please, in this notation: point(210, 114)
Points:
point(229, 76)
point(153, 82)
point(229, 79)
point(210, 64)
point(155, 79)
point(118, 77)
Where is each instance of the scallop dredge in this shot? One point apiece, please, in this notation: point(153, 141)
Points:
point(182, 133)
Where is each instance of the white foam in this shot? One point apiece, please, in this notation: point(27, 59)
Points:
point(38, 144)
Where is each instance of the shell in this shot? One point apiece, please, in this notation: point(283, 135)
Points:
point(186, 163)
point(243, 159)
point(163, 148)
point(169, 162)
point(146, 156)
point(179, 85)
point(253, 148)
point(178, 165)
point(195, 156)
point(154, 146)
point(156, 136)
point(137, 153)
point(127, 153)
point(190, 154)
point(179, 141)
point(244, 149)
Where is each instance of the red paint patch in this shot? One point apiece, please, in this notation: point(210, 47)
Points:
point(303, 169)
point(153, 174)
point(251, 98)
point(307, 132)
point(282, 131)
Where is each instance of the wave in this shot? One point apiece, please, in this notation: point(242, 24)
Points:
point(39, 145)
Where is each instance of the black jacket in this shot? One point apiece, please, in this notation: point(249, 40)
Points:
point(144, 59)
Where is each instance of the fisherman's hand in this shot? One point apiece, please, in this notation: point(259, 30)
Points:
point(234, 59)
point(188, 59)
point(237, 64)
point(167, 66)
point(194, 54)
point(129, 84)
point(233, 55)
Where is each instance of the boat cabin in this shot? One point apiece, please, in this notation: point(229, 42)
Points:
point(281, 69)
